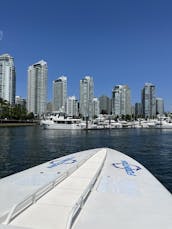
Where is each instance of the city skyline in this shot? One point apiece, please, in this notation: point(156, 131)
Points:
point(126, 42)
point(60, 91)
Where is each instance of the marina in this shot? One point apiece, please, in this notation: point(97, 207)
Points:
point(85, 115)
point(62, 121)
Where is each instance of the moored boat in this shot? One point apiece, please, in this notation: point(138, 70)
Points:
point(61, 122)
point(163, 124)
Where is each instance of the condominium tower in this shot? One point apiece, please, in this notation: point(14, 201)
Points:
point(149, 101)
point(72, 106)
point(7, 78)
point(60, 94)
point(138, 109)
point(37, 88)
point(121, 102)
point(96, 107)
point(105, 104)
point(86, 96)
point(159, 106)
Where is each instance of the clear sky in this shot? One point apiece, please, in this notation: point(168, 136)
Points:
point(115, 42)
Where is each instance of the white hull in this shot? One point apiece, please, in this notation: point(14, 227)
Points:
point(164, 125)
point(62, 124)
point(55, 126)
point(98, 188)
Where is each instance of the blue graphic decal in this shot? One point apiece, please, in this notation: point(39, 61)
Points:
point(130, 169)
point(66, 161)
point(127, 168)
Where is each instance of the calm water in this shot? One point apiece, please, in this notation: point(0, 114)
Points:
point(24, 147)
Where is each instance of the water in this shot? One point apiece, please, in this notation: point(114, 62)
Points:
point(24, 147)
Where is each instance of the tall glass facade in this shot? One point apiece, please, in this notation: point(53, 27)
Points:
point(149, 101)
point(121, 104)
point(159, 106)
point(60, 94)
point(105, 104)
point(37, 88)
point(7, 78)
point(86, 96)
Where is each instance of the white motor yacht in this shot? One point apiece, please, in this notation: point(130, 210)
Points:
point(61, 122)
point(164, 124)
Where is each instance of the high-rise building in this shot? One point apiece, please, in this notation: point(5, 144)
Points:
point(138, 110)
point(149, 101)
point(7, 78)
point(37, 88)
point(96, 107)
point(159, 106)
point(20, 101)
point(133, 110)
point(105, 104)
point(60, 94)
point(121, 101)
point(86, 96)
point(72, 106)
point(49, 107)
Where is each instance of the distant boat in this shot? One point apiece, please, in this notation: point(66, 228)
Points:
point(61, 122)
point(164, 124)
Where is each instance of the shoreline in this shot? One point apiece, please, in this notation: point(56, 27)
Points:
point(16, 124)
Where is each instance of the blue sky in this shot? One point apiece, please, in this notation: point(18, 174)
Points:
point(116, 42)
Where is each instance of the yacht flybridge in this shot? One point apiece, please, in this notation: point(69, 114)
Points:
point(98, 188)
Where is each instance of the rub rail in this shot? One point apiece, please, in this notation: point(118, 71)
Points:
point(31, 199)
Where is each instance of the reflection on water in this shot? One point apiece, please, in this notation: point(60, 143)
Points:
point(24, 147)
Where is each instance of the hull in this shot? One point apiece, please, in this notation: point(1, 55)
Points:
point(98, 188)
point(165, 126)
point(61, 124)
point(62, 127)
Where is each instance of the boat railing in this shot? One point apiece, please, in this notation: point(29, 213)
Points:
point(79, 204)
point(31, 199)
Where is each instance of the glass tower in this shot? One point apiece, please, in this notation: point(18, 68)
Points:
point(86, 96)
point(121, 101)
point(60, 94)
point(149, 101)
point(105, 104)
point(72, 106)
point(159, 106)
point(37, 88)
point(7, 78)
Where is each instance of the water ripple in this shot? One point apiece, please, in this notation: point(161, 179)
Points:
point(24, 147)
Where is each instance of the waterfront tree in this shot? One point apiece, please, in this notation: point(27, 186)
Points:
point(15, 112)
